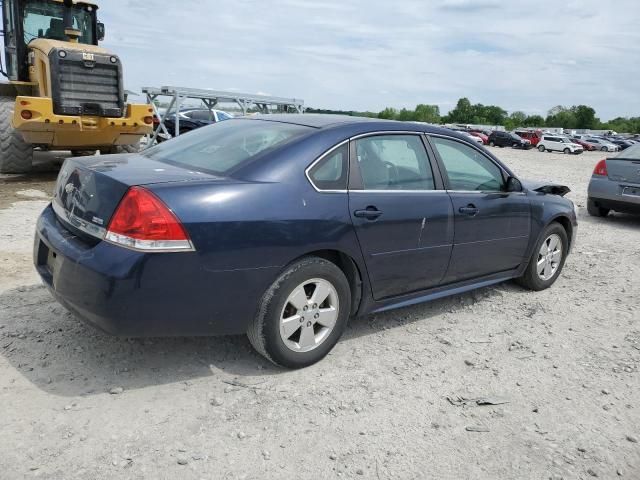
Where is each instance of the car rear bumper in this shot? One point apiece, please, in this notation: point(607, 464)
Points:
point(133, 294)
point(609, 194)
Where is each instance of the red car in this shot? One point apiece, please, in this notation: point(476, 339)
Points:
point(481, 136)
point(533, 136)
point(588, 147)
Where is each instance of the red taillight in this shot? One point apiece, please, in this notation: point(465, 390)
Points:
point(601, 168)
point(148, 120)
point(143, 222)
point(26, 114)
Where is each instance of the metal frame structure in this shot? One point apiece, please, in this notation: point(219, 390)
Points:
point(210, 99)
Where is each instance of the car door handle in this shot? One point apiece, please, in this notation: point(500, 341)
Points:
point(370, 213)
point(470, 210)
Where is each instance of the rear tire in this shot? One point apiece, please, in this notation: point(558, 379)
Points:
point(596, 211)
point(532, 279)
point(492, 144)
point(541, 148)
point(284, 346)
point(16, 155)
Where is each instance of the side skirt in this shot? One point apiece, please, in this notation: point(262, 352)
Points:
point(443, 291)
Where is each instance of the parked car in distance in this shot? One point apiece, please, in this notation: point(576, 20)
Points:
point(508, 139)
point(285, 226)
point(600, 144)
point(481, 136)
point(615, 184)
point(620, 142)
point(533, 136)
point(588, 147)
point(473, 138)
point(558, 143)
point(192, 118)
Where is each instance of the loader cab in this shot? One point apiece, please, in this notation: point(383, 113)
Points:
point(27, 20)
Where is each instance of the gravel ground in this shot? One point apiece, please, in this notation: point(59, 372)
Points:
point(500, 383)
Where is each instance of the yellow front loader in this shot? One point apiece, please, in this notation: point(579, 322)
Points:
point(64, 92)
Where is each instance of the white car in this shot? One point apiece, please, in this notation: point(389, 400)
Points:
point(558, 143)
point(473, 138)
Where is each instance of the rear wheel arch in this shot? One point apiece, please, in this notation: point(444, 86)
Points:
point(349, 267)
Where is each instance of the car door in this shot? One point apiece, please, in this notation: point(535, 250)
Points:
point(402, 215)
point(492, 226)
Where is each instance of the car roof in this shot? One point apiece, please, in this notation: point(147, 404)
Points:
point(327, 121)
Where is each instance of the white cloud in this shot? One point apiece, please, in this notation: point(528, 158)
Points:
point(345, 54)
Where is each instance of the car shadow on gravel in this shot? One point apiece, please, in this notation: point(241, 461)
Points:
point(65, 357)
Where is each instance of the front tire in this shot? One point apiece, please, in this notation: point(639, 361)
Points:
point(604, 149)
point(547, 260)
point(541, 148)
point(303, 314)
point(594, 210)
point(16, 155)
point(492, 144)
point(567, 151)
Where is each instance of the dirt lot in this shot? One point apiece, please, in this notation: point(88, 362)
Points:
point(78, 404)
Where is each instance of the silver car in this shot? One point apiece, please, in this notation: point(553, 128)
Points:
point(615, 184)
point(601, 144)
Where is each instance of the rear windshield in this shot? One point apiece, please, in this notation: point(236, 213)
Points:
point(223, 146)
point(631, 153)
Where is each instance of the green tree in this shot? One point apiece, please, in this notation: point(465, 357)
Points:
point(388, 113)
point(427, 113)
point(560, 116)
point(515, 120)
point(585, 116)
point(534, 121)
point(463, 113)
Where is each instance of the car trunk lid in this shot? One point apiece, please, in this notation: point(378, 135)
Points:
point(624, 170)
point(89, 189)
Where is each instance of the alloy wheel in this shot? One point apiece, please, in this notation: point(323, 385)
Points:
point(549, 257)
point(309, 315)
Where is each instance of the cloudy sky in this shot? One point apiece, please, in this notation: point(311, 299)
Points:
point(369, 54)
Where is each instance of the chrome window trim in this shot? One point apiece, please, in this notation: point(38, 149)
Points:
point(398, 191)
point(77, 222)
point(319, 159)
point(486, 192)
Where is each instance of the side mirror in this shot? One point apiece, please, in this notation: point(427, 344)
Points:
point(513, 185)
point(100, 31)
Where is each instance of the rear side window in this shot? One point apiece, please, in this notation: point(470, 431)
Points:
point(394, 162)
point(330, 173)
point(220, 147)
point(466, 168)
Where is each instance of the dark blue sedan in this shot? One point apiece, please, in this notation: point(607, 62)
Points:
point(285, 226)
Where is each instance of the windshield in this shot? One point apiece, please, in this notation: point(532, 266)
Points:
point(46, 20)
point(220, 147)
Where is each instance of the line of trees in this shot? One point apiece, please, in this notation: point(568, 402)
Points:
point(575, 117)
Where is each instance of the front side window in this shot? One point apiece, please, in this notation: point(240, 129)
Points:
point(330, 173)
point(46, 20)
point(394, 162)
point(467, 168)
point(220, 147)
